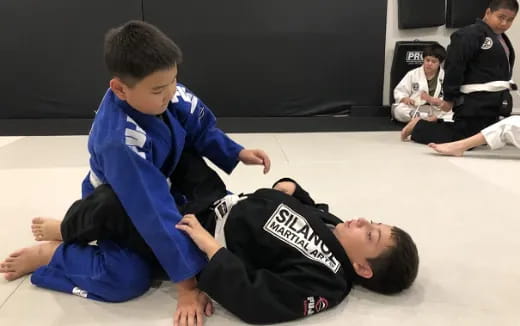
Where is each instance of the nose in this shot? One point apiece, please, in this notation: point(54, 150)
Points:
point(361, 222)
point(171, 92)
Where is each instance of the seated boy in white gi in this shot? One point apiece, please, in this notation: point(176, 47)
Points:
point(286, 257)
point(419, 93)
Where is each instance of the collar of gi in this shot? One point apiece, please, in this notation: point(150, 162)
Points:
point(488, 29)
point(148, 121)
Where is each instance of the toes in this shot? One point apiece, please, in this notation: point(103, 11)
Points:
point(36, 232)
point(36, 226)
point(16, 254)
point(7, 268)
point(11, 276)
point(38, 220)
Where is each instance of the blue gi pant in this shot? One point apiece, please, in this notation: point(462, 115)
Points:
point(105, 272)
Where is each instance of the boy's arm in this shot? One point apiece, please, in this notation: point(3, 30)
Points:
point(202, 132)
point(462, 49)
point(261, 296)
point(403, 89)
point(258, 296)
point(145, 196)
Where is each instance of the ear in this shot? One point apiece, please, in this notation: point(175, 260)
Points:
point(364, 270)
point(119, 88)
point(487, 13)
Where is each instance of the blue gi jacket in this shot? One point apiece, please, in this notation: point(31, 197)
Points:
point(129, 150)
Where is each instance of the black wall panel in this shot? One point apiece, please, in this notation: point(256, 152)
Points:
point(51, 57)
point(460, 13)
point(421, 13)
point(278, 58)
point(243, 58)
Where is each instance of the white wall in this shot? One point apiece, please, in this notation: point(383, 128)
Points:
point(440, 34)
point(514, 36)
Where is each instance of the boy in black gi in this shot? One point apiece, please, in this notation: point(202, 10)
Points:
point(286, 256)
point(478, 69)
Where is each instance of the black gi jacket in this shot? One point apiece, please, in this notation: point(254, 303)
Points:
point(475, 55)
point(282, 261)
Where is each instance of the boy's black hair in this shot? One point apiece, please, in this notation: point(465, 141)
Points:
point(495, 5)
point(396, 268)
point(435, 50)
point(138, 49)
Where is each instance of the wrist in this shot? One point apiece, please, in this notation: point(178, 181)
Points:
point(212, 250)
point(186, 285)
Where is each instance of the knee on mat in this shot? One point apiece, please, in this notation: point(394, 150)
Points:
point(131, 279)
point(401, 114)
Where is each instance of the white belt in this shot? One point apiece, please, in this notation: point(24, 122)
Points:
point(95, 181)
point(222, 207)
point(494, 86)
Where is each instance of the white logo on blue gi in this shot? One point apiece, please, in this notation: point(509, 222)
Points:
point(293, 229)
point(79, 292)
point(488, 44)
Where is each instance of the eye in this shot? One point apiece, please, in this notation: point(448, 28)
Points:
point(369, 235)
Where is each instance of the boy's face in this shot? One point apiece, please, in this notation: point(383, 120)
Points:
point(362, 240)
point(499, 20)
point(150, 95)
point(431, 65)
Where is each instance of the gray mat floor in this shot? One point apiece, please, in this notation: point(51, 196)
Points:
point(462, 212)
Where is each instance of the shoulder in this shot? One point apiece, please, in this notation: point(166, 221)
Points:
point(184, 98)
point(186, 104)
point(113, 128)
point(469, 32)
point(415, 71)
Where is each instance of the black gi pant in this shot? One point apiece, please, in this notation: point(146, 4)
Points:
point(100, 216)
point(472, 113)
point(439, 131)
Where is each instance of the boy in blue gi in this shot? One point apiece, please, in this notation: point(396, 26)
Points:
point(142, 125)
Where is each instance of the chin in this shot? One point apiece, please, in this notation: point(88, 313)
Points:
point(160, 111)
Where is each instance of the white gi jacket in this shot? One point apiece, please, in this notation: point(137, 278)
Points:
point(412, 85)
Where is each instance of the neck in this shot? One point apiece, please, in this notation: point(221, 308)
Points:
point(339, 240)
point(430, 75)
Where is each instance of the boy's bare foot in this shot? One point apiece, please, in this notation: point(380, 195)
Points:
point(452, 149)
point(46, 229)
point(407, 130)
point(27, 260)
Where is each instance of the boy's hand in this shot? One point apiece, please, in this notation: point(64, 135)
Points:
point(446, 106)
point(430, 99)
point(256, 157)
point(426, 97)
point(205, 241)
point(408, 101)
point(192, 305)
